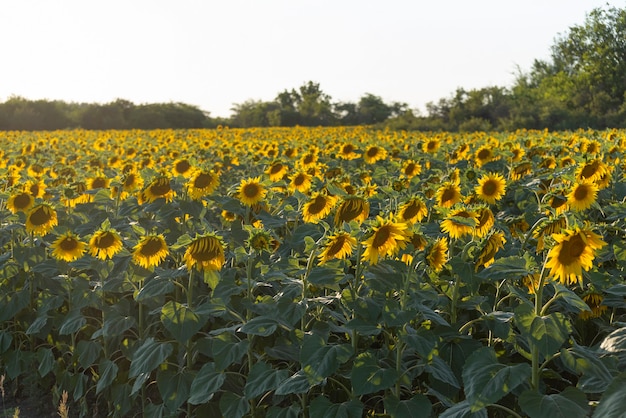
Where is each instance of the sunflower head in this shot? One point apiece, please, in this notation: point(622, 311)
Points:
point(582, 196)
point(68, 247)
point(594, 300)
point(387, 238)
point(158, 188)
point(105, 243)
point(352, 208)
point(318, 207)
point(374, 153)
point(203, 183)
point(41, 219)
point(491, 188)
point(20, 202)
point(491, 246)
point(448, 194)
point(251, 191)
point(459, 223)
point(338, 246)
point(437, 254)
point(205, 252)
point(150, 251)
point(414, 210)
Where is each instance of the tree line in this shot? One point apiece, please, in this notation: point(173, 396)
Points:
point(581, 85)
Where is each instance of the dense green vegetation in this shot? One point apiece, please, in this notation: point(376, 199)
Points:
point(582, 85)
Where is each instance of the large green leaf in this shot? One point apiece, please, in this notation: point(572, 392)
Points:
point(440, 370)
point(233, 405)
point(368, 376)
point(181, 321)
point(572, 299)
point(463, 410)
point(547, 333)
point(613, 402)
point(323, 407)
point(320, 360)
point(262, 379)
point(226, 350)
point(260, 325)
point(108, 372)
point(417, 407)
point(296, 383)
point(567, 404)
point(148, 356)
point(205, 384)
point(88, 352)
point(508, 268)
point(596, 376)
point(46, 360)
point(294, 411)
point(174, 387)
point(73, 322)
point(486, 381)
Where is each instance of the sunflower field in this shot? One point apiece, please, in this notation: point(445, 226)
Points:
point(314, 272)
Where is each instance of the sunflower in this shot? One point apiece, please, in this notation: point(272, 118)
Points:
point(485, 220)
point(414, 210)
point(448, 194)
point(459, 223)
point(387, 239)
point(37, 188)
point(203, 183)
point(411, 169)
point(491, 188)
point(68, 247)
point(41, 219)
point(431, 146)
point(158, 188)
point(205, 252)
point(483, 155)
point(131, 181)
point(573, 252)
point(347, 151)
point(593, 170)
point(582, 195)
point(182, 167)
point(20, 202)
point(150, 251)
point(557, 204)
point(309, 159)
point(438, 254)
point(521, 170)
point(277, 171)
point(339, 245)
point(98, 182)
point(228, 216)
point(318, 207)
point(594, 300)
point(352, 208)
point(374, 153)
point(105, 243)
point(251, 191)
point(531, 281)
point(495, 242)
point(518, 153)
point(260, 240)
point(300, 181)
point(549, 227)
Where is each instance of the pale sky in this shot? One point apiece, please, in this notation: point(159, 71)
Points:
point(213, 54)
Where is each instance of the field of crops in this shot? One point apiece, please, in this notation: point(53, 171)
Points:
point(322, 272)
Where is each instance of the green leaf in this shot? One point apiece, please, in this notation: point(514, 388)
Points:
point(296, 383)
point(181, 321)
point(440, 370)
point(567, 404)
point(37, 325)
point(324, 276)
point(463, 410)
point(615, 344)
point(115, 324)
point(596, 377)
point(108, 372)
point(320, 360)
point(88, 352)
point(323, 407)
point(368, 376)
point(205, 384)
point(149, 356)
point(486, 381)
point(570, 297)
point(613, 402)
point(157, 286)
point(294, 411)
point(417, 407)
point(174, 387)
point(548, 333)
point(233, 405)
point(6, 339)
point(46, 361)
point(73, 322)
point(260, 325)
point(226, 350)
point(508, 268)
point(262, 379)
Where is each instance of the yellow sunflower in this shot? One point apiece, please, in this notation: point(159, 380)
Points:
point(557, 204)
point(459, 223)
point(347, 151)
point(131, 181)
point(98, 182)
point(582, 196)
point(388, 238)
point(37, 188)
point(414, 210)
point(318, 207)
point(158, 188)
point(276, 171)
point(483, 155)
point(594, 300)
point(411, 169)
point(150, 251)
point(495, 242)
point(431, 146)
point(549, 227)
point(182, 167)
point(374, 153)
point(521, 170)
point(339, 245)
point(437, 255)
point(300, 181)
point(205, 252)
point(105, 243)
point(203, 183)
point(491, 188)
point(20, 202)
point(593, 170)
point(352, 208)
point(228, 216)
point(574, 251)
point(485, 220)
point(41, 219)
point(68, 247)
point(448, 194)
point(251, 191)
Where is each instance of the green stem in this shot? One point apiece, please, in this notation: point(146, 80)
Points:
point(534, 349)
point(188, 352)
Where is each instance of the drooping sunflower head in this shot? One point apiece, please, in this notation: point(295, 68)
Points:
point(448, 194)
point(594, 300)
point(203, 183)
point(158, 188)
point(20, 202)
point(150, 251)
point(338, 246)
point(521, 170)
point(41, 219)
point(387, 238)
point(485, 220)
point(491, 187)
point(352, 208)
point(205, 252)
point(251, 191)
point(437, 255)
point(582, 196)
point(132, 180)
point(459, 222)
point(318, 207)
point(548, 228)
point(68, 247)
point(105, 243)
point(491, 246)
point(98, 182)
point(574, 251)
point(414, 210)
point(591, 170)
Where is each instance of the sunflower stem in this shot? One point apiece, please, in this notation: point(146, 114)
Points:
point(534, 348)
